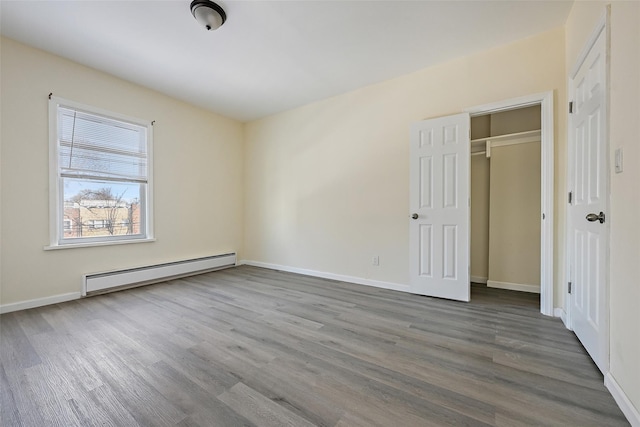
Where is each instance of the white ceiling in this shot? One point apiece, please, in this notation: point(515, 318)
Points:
point(271, 56)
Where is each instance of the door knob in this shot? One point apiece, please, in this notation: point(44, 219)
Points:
point(593, 217)
point(414, 216)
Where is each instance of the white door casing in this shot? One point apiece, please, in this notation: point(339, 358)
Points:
point(439, 205)
point(588, 240)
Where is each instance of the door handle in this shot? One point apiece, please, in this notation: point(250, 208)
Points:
point(593, 217)
point(414, 216)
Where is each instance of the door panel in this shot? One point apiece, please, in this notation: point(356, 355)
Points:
point(439, 236)
point(425, 257)
point(588, 174)
point(426, 182)
point(450, 252)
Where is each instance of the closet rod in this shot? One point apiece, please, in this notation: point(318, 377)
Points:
point(507, 136)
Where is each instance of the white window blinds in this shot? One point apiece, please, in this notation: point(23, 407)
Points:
point(98, 147)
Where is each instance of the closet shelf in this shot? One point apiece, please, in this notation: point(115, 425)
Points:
point(480, 144)
point(517, 135)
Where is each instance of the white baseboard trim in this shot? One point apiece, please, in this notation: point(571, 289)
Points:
point(478, 279)
point(534, 289)
point(627, 408)
point(331, 276)
point(559, 312)
point(38, 302)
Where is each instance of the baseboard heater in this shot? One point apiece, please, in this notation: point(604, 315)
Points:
point(98, 283)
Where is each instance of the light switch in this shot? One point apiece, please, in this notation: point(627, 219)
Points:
point(618, 160)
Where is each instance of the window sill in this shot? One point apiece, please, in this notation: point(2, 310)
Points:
point(91, 244)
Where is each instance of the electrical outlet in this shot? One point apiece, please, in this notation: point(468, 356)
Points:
point(376, 260)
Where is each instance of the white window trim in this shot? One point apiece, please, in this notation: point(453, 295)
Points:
point(56, 232)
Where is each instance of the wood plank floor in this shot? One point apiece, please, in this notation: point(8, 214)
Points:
point(248, 346)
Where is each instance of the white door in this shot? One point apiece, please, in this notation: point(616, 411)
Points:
point(439, 204)
point(588, 228)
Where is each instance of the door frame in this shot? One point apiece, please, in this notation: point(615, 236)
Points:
point(602, 26)
point(545, 100)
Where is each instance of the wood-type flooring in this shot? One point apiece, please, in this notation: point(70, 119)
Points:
point(254, 347)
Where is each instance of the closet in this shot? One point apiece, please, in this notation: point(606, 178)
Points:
point(505, 199)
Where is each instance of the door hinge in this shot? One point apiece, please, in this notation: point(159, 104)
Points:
point(569, 287)
point(571, 107)
point(570, 196)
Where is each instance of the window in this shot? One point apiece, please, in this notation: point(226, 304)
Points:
point(100, 176)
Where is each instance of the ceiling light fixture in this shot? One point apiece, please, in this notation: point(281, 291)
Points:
point(208, 14)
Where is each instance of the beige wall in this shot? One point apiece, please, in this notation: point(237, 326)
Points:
point(198, 176)
point(514, 121)
point(327, 184)
point(481, 126)
point(514, 218)
point(479, 234)
point(624, 271)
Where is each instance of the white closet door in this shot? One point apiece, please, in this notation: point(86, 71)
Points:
point(439, 202)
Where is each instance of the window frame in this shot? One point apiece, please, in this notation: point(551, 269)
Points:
point(57, 239)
